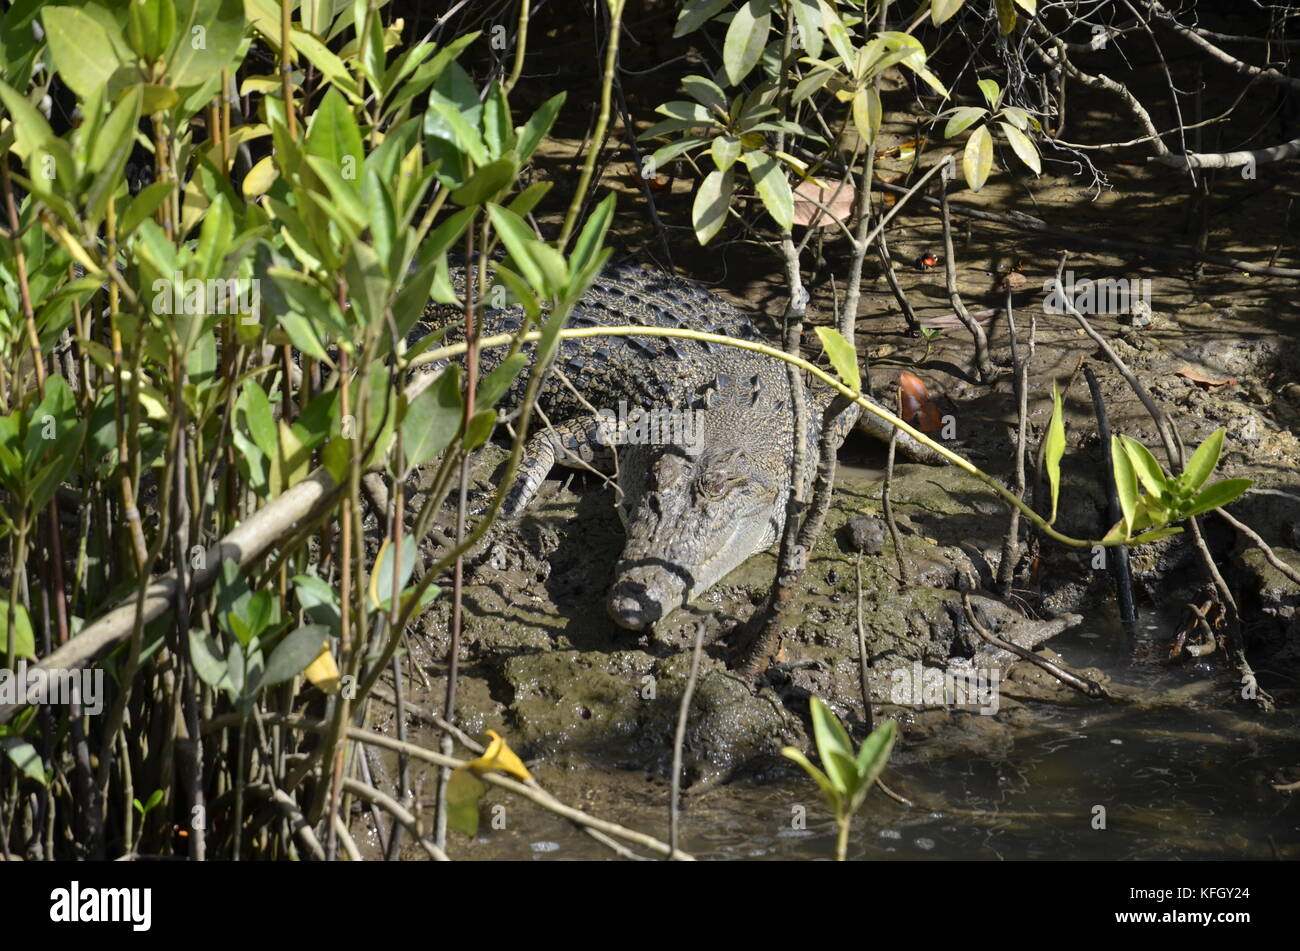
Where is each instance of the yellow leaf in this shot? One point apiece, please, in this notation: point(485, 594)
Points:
point(260, 178)
point(501, 757)
point(295, 462)
point(260, 84)
point(374, 575)
point(977, 161)
point(157, 98)
point(323, 672)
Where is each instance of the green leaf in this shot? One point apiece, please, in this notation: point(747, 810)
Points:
point(666, 153)
point(1055, 448)
point(318, 600)
point(977, 160)
point(31, 131)
point(838, 35)
point(464, 792)
point(258, 417)
point(1217, 496)
point(24, 642)
point(867, 113)
point(143, 206)
point(367, 286)
point(772, 186)
point(433, 418)
point(712, 199)
point(706, 92)
point(831, 738)
point(480, 428)
point(294, 652)
point(592, 237)
point(746, 39)
point(523, 247)
point(23, 755)
point(1203, 461)
point(206, 657)
point(808, 18)
point(110, 151)
point(684, 111)
point(942, 10)
point(842, 356)
point(1152, 536)
point(1023, 147)
point(381, 574)
point(335, 138)
point(486, 182)
point(694, 15)
point(87, 51)
point(527, 200)
point(823, 781)
point(331, 67)
point(496, 383)
point(1016, 116)
point(991, 91)
point(962, 118)
point(260, 610)
point(219, 24)
point(1126, 481)
point(725, 148)
point(465, 135)
point(538, 125)
point(1146, 467)
point(875, 751)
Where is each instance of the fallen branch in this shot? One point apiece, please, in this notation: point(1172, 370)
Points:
point(1085, 686)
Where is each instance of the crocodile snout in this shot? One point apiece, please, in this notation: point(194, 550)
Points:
point(633, 606)
point(642, 594)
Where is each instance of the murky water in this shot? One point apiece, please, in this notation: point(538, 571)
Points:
point(1085, 781)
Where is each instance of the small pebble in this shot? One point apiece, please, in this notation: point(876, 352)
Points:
point(865, 533)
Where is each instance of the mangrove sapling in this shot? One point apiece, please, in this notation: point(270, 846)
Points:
point(1171, 497)
point(845, 777)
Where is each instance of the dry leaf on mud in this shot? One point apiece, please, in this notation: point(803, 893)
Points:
point(1204, 382)
point(836, 198)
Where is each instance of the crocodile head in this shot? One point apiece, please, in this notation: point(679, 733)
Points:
point(692, 517)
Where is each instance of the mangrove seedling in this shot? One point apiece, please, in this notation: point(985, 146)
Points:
point(847, 778)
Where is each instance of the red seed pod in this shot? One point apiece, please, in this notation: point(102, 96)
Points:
point(915, 405)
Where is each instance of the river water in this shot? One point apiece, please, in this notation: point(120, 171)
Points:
point(1089, 780)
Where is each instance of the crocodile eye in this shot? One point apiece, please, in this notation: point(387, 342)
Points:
point(713, 485)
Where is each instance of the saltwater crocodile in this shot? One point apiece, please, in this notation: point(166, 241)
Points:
point(705, 473)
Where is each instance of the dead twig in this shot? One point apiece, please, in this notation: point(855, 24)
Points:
point(1084, 685)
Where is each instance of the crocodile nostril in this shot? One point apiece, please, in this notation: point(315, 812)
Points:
point(631, 606)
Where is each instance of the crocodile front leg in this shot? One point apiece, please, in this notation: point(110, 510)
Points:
point(577, 443)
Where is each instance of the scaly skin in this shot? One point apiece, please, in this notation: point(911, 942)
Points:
point(698, 504)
